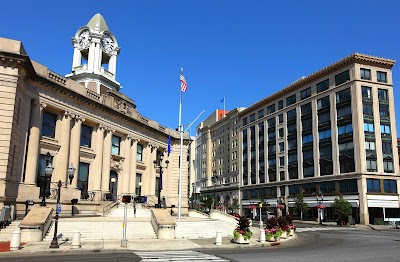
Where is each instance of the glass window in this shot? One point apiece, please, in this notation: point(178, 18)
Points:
point(327, 187)
point(271, 122)
point(371, 165)
point(280, 132)
point(280, 104)
point(83, 178)
point(383, 94)
point(343, 111)
point(325, 117)
point(308, 171)
point(381, 77)
point(342, 77)
point(139, 152)
point(370, 145)
point(49, 124)
point(252, 118)
point(291, 100)
point(305, 93)
point(322, 86)
point(325, 152)
point(323, 102)
point(365, 73)
point(373, 185)
point(280, 118)
point(115, 145)
point(366, 92)
point(324, 134)
point(387, 148)
point(390, 186)
point(261, 113)
point(281, 147)
point(292, 144)
point(383, 110)
point(306, 123)
point(346, 146)
point(271, 149)
point(291, 114)
point(281, 161)
point(348, 186)
point(306, 109)
point(292, 129)
point(138, 185)
point(367, 109)
point(244, 121)
point(345, 129)
point(271, 109)
point(388, 166)
point(385, 129)
point(86, 136)
point(369, 127)
point(343, 95)
point(307, 139)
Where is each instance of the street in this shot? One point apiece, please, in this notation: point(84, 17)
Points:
point(323, 244)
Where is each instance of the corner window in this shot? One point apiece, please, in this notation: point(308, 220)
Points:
point(366, 92)
point(373, 185)
point(390, 186)
point(49, 124)
point(383, 94)
point(342, 77)
point(116, 141)
point(381, 77)
point(365, 74)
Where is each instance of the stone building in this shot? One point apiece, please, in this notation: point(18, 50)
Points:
point(82, 120)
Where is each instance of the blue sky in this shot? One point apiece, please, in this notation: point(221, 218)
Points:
point(240, 50)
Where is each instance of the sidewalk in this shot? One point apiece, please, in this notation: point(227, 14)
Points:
point(139, 245)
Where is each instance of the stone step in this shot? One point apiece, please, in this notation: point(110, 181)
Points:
point(6, 233)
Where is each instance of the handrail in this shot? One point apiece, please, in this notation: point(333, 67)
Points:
point(107, 208)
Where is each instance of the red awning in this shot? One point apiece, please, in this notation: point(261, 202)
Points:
point(320, 206)
point(252, 206)
point(280, 206)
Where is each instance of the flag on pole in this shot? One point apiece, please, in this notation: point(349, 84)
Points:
point(183, 82)
point(169, 145)
point(222, 100)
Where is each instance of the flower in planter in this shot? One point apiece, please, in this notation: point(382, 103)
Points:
point(293, 227)
point(270, 233)
point(243, 229)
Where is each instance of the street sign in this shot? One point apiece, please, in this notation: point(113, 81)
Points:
point(58, 208)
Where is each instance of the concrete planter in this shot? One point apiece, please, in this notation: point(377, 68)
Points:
point(240, 240)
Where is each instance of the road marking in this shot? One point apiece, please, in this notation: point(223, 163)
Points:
point(306, 229)
point(185, 255)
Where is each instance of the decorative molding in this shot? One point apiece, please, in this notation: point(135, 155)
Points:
point(42, 105)
point(7, 83)
point(117, 165)
point(119, 104)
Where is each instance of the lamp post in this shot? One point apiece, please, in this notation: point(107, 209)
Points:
point(71, 172)
point(47, 174)
point(320, 201)
point(214, 181)
point(161, 156)
point(279, 202)
point(113, 180)
point(193, 194)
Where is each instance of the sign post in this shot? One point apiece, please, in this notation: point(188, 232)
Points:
point(124, 241)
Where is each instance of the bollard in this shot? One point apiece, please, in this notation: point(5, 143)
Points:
point(76, 240)
point(15, 243)
point(218, 239)
point(262, 235)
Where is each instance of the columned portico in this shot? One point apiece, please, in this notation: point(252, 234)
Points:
point(75, 148)
point(132, 167)
point(60, 170)
point(106, 161)
point(127, 164)
point(98, 160)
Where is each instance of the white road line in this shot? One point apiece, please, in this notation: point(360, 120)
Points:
point(185, 255)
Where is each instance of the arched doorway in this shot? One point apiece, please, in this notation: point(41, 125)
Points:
point(113, 184)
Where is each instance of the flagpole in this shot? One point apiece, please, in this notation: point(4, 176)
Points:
point(224, 107)
point(180, 155)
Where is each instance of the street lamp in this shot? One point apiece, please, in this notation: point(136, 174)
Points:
point(320, 201)
point(214, 181)
point(71, 172)
point(113, 180)
point(48, 172)
point(279, 204)
point(161, 156)
point(193, 194)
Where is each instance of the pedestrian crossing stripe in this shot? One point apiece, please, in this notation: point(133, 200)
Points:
point(307, 229)
point(184, 255)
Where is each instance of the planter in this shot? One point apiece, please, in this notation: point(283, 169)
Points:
point(240, 240)
point(291, 232)
point(271, 239)
point(284, 234)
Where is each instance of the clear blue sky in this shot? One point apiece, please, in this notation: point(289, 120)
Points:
point(240, 50)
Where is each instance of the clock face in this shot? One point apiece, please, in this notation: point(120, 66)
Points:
point(84, 39)
point(107, 43)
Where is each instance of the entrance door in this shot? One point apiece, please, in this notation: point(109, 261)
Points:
point(114, 185)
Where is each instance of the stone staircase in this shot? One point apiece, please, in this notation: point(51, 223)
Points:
point(6, 233)
point(141, 212)
point(193, 228)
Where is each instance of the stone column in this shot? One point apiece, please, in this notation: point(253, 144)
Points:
point(33, 144)
point(126, 167)
point(105, 178)
point(132, 167)
point(74, 154)
point(61, 166)
point(77, 58)
point(152, 157)
point(91, 56)
point(95, 177)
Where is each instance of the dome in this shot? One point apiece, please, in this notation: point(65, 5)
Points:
point(98, 21)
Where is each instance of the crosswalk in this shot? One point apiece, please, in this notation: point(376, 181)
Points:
point(307, 229)
point(185, 255)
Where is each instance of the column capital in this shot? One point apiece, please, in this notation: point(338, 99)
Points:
point(106, 128)
point(79, 118)
point(133, 138)
point(42, 105)
point(69, 115)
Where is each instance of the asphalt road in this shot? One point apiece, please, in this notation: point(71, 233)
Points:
point(327, 246)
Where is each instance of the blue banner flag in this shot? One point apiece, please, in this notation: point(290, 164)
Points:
point(169, 145)
point(222, 100)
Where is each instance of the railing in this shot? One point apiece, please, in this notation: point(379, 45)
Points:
point(107, 208)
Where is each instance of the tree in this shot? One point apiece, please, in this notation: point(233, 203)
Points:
point(299, 205)
point(206, 200)
point(341, 209)
point(234, 206)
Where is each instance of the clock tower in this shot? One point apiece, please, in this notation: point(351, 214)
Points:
point(95, 56)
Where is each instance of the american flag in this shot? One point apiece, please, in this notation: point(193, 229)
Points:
point(183, 83)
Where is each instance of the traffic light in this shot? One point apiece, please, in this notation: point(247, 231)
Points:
point(126, 199)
